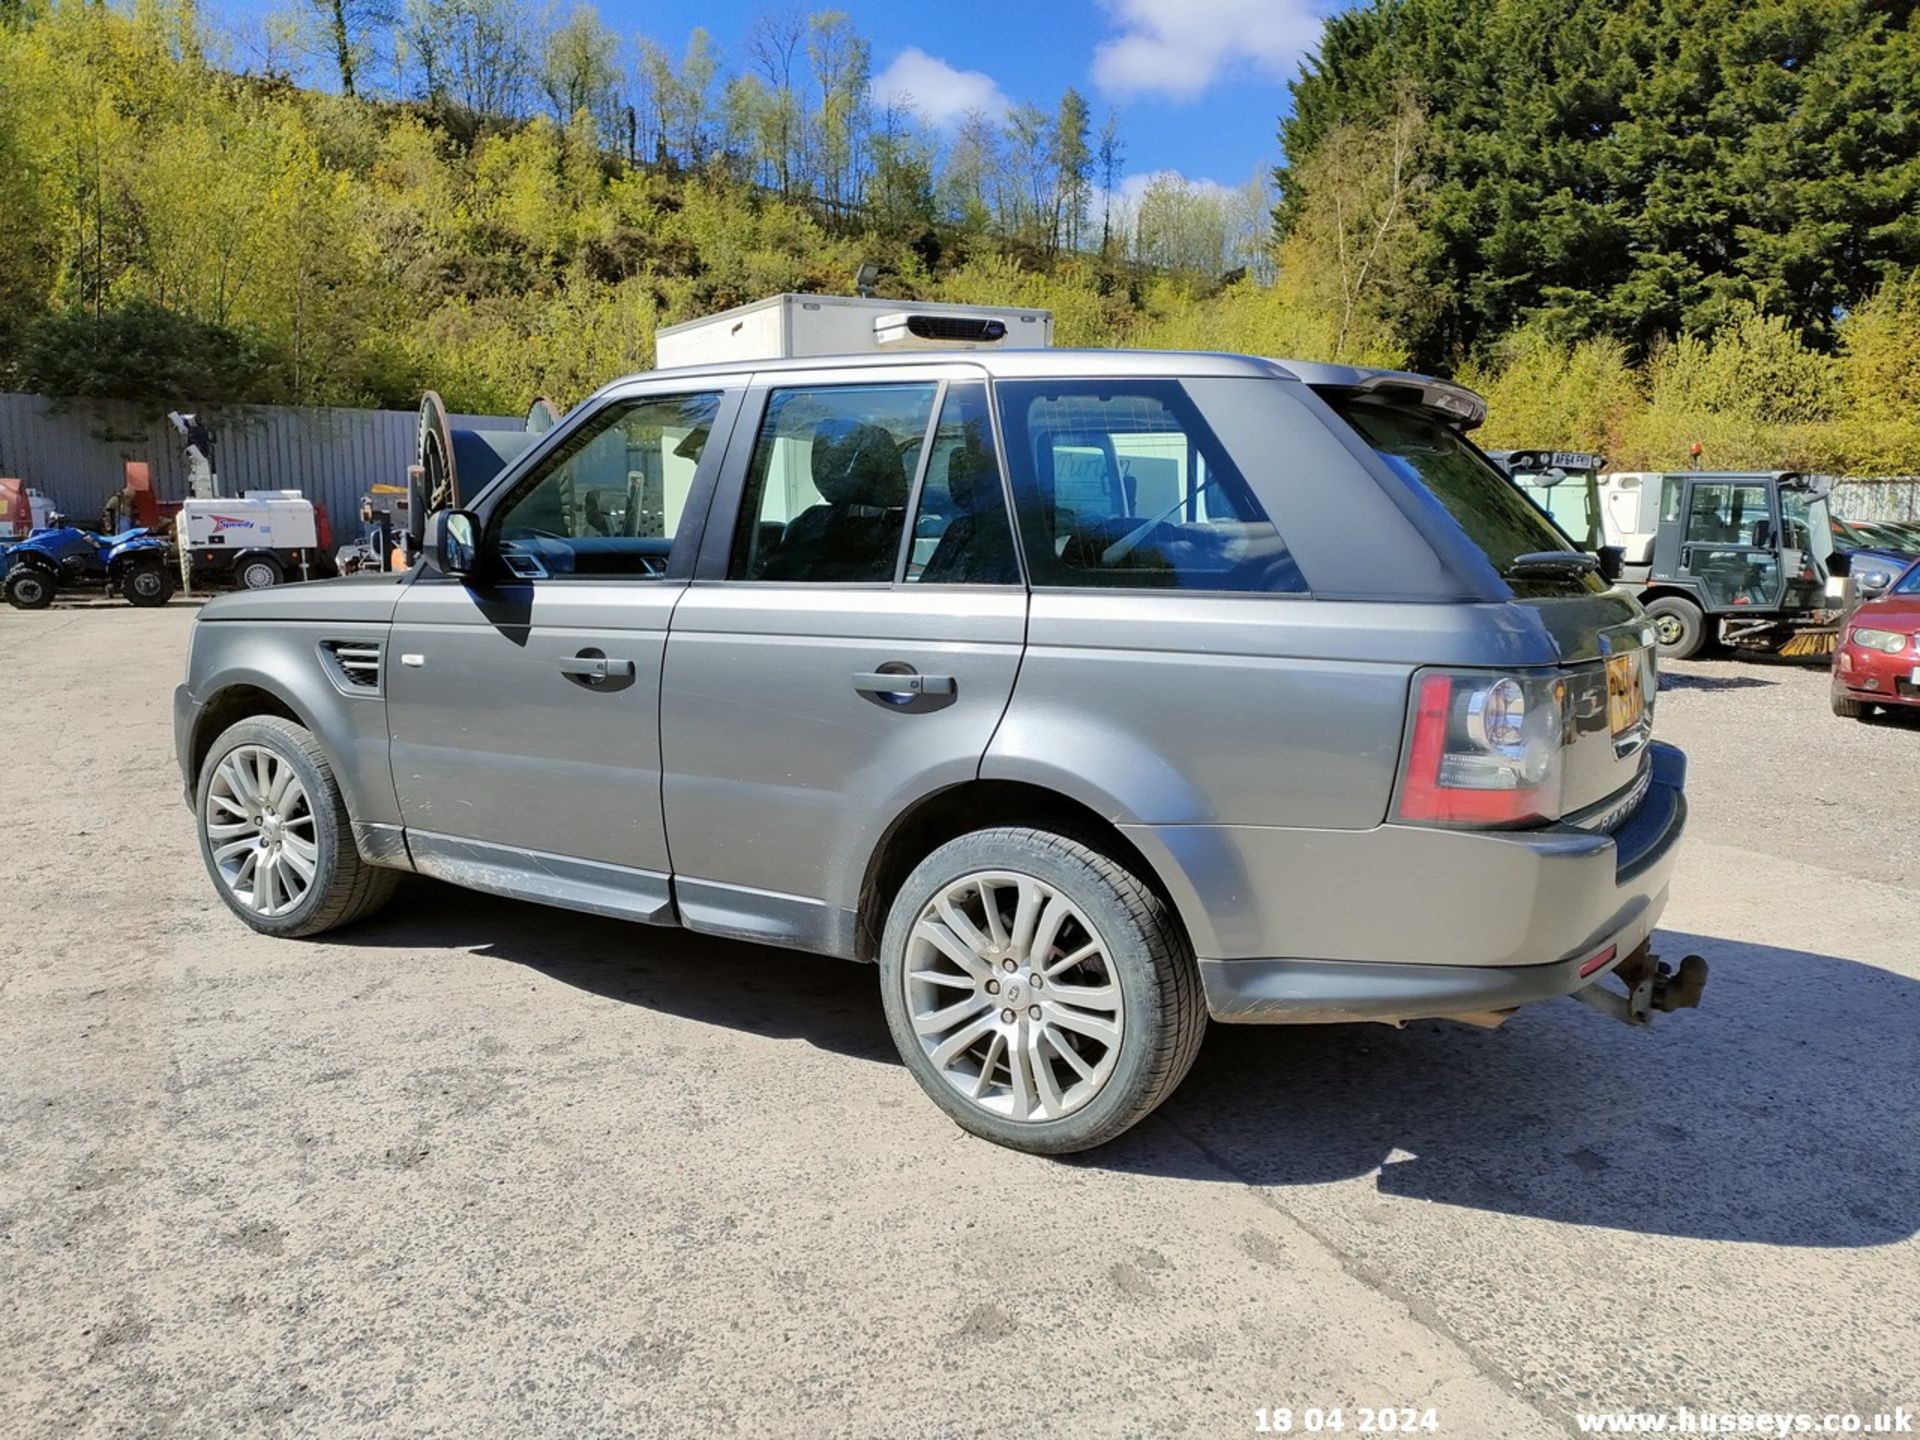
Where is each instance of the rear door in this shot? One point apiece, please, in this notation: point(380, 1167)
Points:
point(524, 701)
point(848, 644)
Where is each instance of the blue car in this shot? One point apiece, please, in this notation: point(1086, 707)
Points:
point(65, 557)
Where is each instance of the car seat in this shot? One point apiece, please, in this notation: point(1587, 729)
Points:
point(854, 534)
point(977, 546)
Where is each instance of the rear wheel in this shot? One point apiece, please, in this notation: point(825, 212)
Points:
point(1039, 992)
point(29, 588)
point(275, 834)
point(1848, 709)
point(1679, 627)
point(260, 572)
point(150, 584)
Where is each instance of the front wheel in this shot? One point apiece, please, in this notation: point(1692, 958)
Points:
point(146, 585)
point(29, 588)
point(1848, 709)
point(1040, 993)
point(1679, 627)
point(275, 835)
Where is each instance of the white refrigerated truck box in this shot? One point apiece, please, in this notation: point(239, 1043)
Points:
point(789, 326)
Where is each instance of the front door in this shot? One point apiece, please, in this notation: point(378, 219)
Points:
point(848, 646)
point(1730, 544)
point(524, 702)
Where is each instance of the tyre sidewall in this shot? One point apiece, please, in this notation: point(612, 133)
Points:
point(1693, 627)
point(161, 585)
point(1130, 949)
point(282, 738)
point(264, 567)
point(27, 578)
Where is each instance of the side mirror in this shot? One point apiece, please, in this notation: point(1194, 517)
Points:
point(450, 546)
point(1838, 564)
point(1871, 584)
point(1612, 559)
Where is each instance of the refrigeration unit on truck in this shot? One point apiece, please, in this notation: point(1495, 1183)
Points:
point(794, 326)
point(258, 540)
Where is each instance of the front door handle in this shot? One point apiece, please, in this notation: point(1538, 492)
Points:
point(596, 669)
point(902, 684)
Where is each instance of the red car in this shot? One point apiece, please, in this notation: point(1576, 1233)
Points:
point(1878, 661)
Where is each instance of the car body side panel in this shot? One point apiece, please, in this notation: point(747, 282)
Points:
point(283, 658)
point(493, 745)
point(1163, 709)
point(780, 776)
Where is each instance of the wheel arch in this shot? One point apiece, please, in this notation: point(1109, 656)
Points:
point(946, 814)
point(228, 706)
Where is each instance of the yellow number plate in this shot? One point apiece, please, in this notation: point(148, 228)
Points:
point(1626, 692)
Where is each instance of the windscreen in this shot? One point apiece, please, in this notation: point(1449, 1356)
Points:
point(1485, 504)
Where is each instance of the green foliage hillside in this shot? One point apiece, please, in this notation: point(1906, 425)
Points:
point(1634, 227)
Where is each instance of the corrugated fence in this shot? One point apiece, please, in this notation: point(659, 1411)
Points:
point(1883, 497)
point(77, 453)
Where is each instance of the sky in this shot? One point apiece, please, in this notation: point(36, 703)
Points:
point(1199, 85)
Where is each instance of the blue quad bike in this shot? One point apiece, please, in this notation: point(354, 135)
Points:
point(132, 563)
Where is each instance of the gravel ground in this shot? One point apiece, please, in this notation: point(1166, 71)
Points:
point(479, 1168)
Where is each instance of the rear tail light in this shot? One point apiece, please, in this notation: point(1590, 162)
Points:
point(1485, 750)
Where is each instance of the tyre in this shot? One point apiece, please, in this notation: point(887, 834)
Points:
point(1038, 991)
point(145, 585)
point(1679, 627)
point(275, 835)
point(28, 587)
point(259, 572)
point(1851, 709)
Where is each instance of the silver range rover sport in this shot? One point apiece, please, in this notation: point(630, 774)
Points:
point(1087, 694)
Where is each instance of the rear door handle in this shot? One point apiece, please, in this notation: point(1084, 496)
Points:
point(596, 668)
point(906, 683)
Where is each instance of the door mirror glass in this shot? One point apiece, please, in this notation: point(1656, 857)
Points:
point(450, 547)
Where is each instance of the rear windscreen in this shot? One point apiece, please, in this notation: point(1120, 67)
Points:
point(1485, 503)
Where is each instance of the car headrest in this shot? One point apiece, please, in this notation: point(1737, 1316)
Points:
point(857, 464)
point(973, 480)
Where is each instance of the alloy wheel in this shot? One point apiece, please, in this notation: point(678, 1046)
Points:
point(260, 830)
point(1013, 996)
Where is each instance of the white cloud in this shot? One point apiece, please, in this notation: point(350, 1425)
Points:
point(935, 90)
point(1178, 48)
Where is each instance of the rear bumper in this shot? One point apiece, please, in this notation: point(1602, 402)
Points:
point(1431, 923)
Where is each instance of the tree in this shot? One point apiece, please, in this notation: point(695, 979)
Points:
point(346, 32)
point(1639, 170)
point(475, 53)
point(774, 44)
point(842, 64)
point(1112, 155)
point(1072, 162)
point(577, 69)
point(1354, 243)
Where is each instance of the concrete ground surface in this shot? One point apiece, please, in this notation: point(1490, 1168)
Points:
point(478, 1168)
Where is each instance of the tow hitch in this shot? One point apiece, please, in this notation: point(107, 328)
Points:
point(1651, 984)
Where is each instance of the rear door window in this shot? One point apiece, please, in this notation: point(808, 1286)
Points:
point(1121, 483)
point(1482, 501)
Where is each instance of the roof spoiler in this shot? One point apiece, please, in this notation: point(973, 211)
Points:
point(1454, 404)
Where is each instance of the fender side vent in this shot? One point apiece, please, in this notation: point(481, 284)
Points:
point(354, 665)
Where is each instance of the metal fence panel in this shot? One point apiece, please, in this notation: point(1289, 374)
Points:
point(76, 453)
